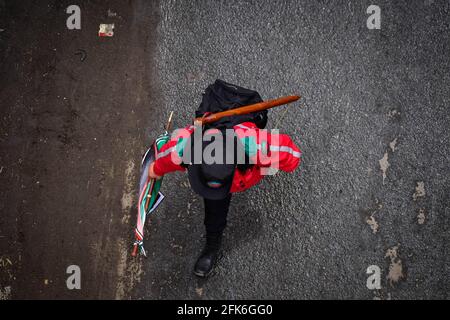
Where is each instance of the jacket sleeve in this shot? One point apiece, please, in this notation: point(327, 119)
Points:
point(280, 152)
point(168, 158)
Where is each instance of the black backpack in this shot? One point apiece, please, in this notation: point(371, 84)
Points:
point(222, 96)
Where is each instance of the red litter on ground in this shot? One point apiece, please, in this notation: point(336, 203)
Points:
point(106, 30)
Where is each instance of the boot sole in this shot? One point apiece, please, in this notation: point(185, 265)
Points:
point(205, 275)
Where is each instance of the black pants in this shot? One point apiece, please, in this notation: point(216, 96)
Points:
point(216, 212)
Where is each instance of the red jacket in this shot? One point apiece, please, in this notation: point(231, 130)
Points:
point(265, 149)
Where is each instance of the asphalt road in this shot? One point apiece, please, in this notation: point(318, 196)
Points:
point(373, 125)
point(305, 235)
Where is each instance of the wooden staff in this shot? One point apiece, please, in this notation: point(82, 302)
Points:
point(245, 110)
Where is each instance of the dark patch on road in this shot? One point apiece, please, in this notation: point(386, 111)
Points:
point(70, 127)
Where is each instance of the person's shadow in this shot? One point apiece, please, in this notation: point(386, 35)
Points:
point(244, 223)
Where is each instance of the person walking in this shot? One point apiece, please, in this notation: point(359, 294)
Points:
point(225, 157)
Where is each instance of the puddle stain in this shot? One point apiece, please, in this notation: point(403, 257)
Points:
point(128, 191)
point(199, 291)
point(5, 293)
point(6, 266)
point(384, 165)
point(395, 267)
point(420, 191)
point(421, 216)
point(129, 271)
point(373, 224)
point(393, 145)
point(368, 215)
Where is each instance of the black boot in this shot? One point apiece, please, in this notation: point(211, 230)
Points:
point(208, 258)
